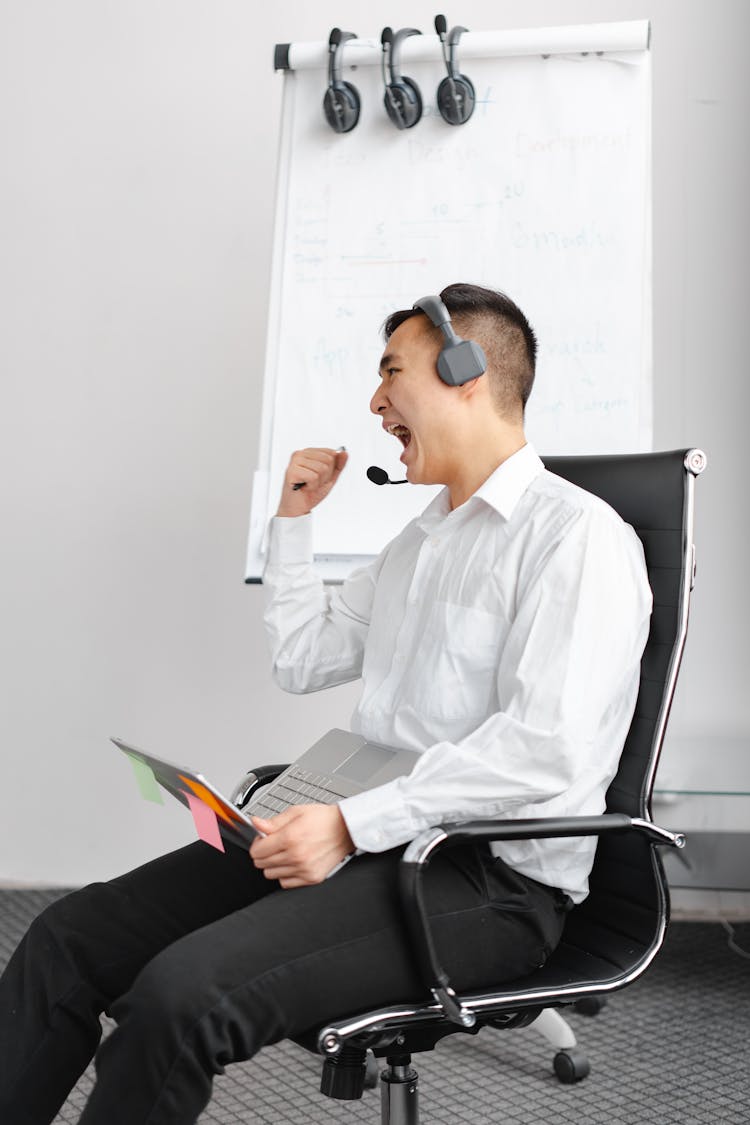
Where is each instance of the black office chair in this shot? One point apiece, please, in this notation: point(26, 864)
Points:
point(614, 935)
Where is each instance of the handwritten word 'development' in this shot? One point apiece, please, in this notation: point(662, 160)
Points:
point(571, 143)
point(585, 238)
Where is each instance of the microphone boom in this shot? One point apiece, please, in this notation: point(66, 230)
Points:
point(380, 476)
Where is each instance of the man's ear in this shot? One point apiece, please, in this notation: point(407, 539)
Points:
point(474, 386)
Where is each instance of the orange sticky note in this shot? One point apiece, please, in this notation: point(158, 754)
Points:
point(208, 799)
point(206, 824)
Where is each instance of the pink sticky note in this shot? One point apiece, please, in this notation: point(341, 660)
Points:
point(206, 824)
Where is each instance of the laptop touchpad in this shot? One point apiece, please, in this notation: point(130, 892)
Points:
point(364, 762)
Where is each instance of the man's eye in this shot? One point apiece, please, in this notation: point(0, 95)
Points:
point(391, 371)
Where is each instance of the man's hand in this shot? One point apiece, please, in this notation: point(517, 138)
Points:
point(318, 470)
point(302, 844)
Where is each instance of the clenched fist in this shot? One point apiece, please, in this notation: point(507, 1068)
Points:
point(316, 469)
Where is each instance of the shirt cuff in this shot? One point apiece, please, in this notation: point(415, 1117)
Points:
point(290, 541)
point(377, 819)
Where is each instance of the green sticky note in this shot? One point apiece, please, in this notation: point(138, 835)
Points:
point(147, 783)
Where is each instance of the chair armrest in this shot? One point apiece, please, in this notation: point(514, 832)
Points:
point(252, 780)
point(419, 852)
point(465, 831)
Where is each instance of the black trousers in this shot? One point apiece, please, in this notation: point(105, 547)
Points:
point(202, 961)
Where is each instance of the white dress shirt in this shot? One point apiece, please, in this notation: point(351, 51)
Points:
point(502, 640)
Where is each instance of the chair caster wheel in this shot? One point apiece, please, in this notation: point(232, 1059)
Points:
point(372, 1072)
point(590, 1005)
point(571, 1065)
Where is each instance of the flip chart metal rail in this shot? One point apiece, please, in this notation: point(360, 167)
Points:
point(544, 193)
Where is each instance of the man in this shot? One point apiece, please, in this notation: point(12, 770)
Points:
point(499, 634)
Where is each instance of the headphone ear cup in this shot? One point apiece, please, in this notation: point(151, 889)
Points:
point(461, 362)
point(456, 99)
point(403, 103)
point(341, 106)
point(414, 110)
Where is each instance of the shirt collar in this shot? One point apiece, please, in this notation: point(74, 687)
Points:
point(502, 490)
point(505, 487)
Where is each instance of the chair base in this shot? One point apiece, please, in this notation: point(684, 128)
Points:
point(570, 1063)
point(555, 1029)
point(399, 1093)
point(346, 1075)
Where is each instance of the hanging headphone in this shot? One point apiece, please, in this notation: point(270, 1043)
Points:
point(402, 100)
point(459, 361)
point(455, 96)
point(341, 103)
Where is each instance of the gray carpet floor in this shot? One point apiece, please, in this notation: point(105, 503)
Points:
point(673, 1049)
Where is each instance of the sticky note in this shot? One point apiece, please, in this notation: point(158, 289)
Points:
point(147, 783)
point(208, 799)
point(206, 824)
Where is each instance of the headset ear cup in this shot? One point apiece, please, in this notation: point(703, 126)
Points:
point(393, 103)
point(461, 363)
point(341, 106)
point(456, 99)
point(403, 103)
point(414, 109)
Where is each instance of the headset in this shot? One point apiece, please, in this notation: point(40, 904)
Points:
point(341, 103)
point(455, 96)
point(402, 100)
point(459, 361)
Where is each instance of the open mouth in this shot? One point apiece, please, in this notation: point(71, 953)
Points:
point(403, 433)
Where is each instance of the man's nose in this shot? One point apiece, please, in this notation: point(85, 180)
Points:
point(379, 401)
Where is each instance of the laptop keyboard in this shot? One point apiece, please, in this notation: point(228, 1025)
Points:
point(299, 787)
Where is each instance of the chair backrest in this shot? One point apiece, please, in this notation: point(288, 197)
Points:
point(654, 493)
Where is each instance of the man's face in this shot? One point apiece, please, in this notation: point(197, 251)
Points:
point(416, 406)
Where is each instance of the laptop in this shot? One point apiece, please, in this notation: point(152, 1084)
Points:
point(338, 765)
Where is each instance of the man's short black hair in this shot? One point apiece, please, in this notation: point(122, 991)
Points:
point(496, 322)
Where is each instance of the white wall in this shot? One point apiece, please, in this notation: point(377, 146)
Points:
point(138, 147)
